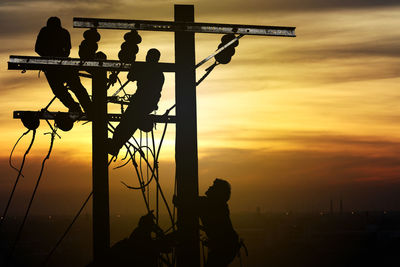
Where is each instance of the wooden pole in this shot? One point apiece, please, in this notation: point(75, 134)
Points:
point(101, 217)
point(188, 253)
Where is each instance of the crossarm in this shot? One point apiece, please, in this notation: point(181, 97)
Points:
point(40, 63)
point(48, 115)
point(170, 26)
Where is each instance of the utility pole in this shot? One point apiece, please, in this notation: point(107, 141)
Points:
point(184, 28)
point(188, 254)
point(101, 216)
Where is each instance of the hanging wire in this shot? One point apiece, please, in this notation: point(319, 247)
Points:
point(140, 162)
point(147, 167)
point(12, 151)
point(142, 186)
point(132, 158)
point(33, 195)
point(17, 179)
point(158, 184)
point(67, 230)
point(70, 225)
point(150, 168)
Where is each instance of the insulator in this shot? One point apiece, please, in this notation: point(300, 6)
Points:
point(146, 124)
point(133, 37)
point(30, 120)
point(92, 35)
point(225, 56)
point(87, 49)
point(229, 37)
point(100, 55)
point(132, 48)
point(126, 56)
point(63, 121)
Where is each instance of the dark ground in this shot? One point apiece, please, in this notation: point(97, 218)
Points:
point(359, 239)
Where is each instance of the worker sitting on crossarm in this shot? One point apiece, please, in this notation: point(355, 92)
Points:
point(150, 80)
point(222, 240)
point(55, 41)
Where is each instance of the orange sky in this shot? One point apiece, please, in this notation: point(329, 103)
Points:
point(290, 122)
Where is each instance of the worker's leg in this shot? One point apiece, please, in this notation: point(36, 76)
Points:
point(79, 90)
point(125, 129)
point(56, 82)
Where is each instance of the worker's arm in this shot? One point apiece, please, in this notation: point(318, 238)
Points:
point(67, 47)
point(39, 43)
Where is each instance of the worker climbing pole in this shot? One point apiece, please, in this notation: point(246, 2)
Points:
point(146, 74)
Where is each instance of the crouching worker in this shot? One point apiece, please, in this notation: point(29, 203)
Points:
point(150, 80)
point(55, 41)
point(140, 249)
point(222, 240)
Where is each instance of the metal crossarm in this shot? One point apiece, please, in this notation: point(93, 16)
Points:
point(40, 63)
point(50, 115)
point(170, 26)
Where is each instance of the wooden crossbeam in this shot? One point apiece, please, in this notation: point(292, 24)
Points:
point(171, 26)
point(50, 115)
point(40, 63)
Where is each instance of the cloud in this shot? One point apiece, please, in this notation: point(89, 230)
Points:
point(290, 6)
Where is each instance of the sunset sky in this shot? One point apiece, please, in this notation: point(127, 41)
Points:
point(291, 122)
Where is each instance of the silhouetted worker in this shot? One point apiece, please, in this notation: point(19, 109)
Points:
point(55, 41)
point(223, 241)
point(140, 249)
point(150, 80)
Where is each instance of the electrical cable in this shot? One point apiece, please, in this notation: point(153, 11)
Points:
point(151, 169)
point(142, 187)
point(70, 225)
point(158, 184)
point(33, 196)
point(147, 168)
point(154, 171)
point(67, 230)
point(9, 160)
point(17, 179)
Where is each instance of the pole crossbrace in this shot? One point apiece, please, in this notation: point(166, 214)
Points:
point(50, 115)
point(177, 26)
